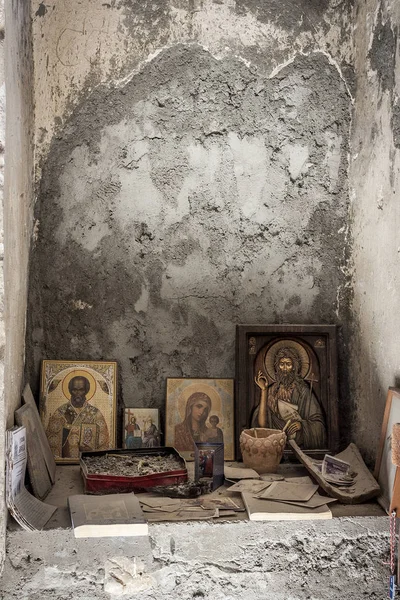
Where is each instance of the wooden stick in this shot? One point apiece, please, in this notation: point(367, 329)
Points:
point(255, 432)
point(287, 424)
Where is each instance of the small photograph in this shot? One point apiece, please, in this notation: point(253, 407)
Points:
point(206, 462)
point(199, 410)
point(78, 407)
point(209, 463)
point(141, 428)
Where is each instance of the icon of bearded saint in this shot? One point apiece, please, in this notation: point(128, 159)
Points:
point(290, 398)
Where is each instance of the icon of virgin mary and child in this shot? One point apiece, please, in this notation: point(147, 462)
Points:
point(194, 427)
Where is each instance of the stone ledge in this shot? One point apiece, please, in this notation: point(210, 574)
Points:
point(314, 560)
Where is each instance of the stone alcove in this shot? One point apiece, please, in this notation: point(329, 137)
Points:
point(70, 69)
point(197, 196)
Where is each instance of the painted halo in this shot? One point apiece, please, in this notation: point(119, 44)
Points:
point(79, 373)
point(269, 358)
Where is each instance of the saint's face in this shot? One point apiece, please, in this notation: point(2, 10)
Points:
point(286, 365)
point(199, 410)
point(78, 392)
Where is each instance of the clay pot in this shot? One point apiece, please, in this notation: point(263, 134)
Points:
point(262, 449)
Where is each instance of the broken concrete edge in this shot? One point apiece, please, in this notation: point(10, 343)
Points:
point(174, 559)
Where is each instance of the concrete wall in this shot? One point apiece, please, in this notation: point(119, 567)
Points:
point(81, 44)
point(18, 194)
point(192, 167)
point(2, 325)
point(16, 76)
point(375, 181)
point(324, 560)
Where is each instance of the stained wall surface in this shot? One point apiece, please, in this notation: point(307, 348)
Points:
point(375, 181)
point(192, 174)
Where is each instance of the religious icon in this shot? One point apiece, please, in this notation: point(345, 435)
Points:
point(78, 407)
point(141, 428)
point(199, 410)
point(209, 463)
point(385, 467)
point(288, 382)
point(287, 397)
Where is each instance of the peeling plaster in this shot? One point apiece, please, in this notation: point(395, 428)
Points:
point(374, 179)
point(196, 196)
point(111, 43)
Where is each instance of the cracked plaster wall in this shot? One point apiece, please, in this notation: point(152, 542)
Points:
point(325, 560)
point(207, 188)
point(375, 181)
point(15, 213)
point(242, 201)
point(18, 193)
point(79, 45)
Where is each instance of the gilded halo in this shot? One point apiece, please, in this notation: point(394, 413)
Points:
point(79, 373)
point(269, 358)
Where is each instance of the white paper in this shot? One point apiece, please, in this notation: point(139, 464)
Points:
point(28, 511)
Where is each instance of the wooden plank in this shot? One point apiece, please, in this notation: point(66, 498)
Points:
point(395, 500)
point(27, 398)
point(37, 469)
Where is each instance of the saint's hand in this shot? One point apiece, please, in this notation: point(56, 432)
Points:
point(293, 428)
point(261, 380)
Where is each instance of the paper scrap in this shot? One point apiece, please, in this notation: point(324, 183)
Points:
point(271, 477)
point(221, 504)
point(281, 490)
point(164, 509)
point(240, 473)
point(228, 513)
point(313, 502)
point(253, 486)
point(28, 511)
point(297, 480)
point(158, 501)
point(183, 515)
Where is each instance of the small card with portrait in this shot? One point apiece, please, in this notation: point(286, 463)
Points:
point(209, 463)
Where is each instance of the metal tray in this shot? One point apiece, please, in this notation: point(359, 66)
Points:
point(111, 484)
